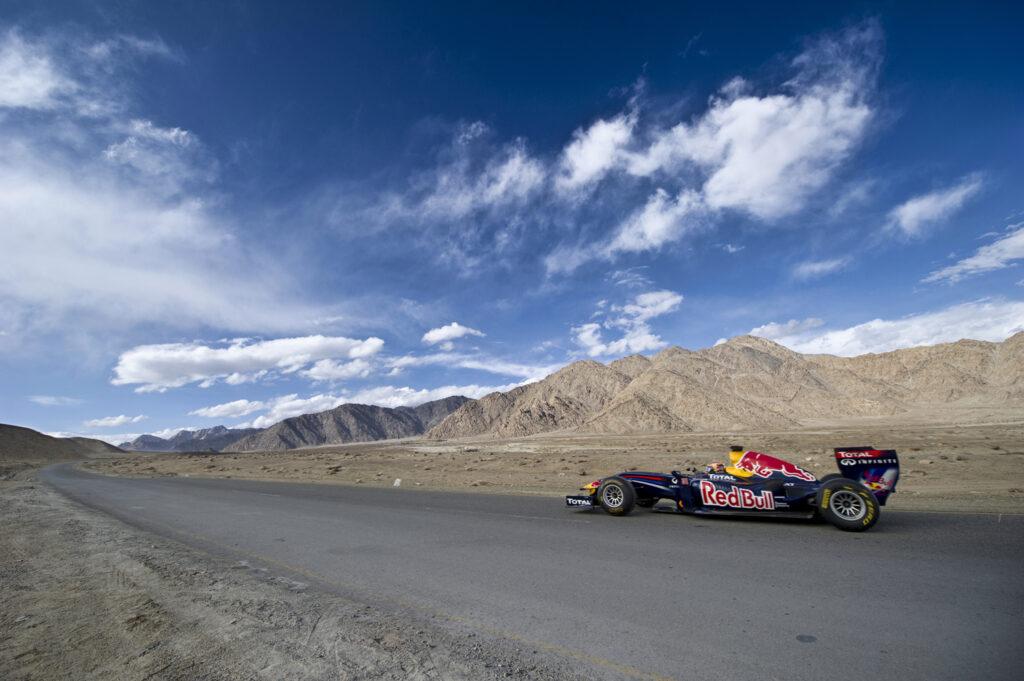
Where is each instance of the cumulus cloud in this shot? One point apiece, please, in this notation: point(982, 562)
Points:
point(448, 333)
point(112, 421)
point(1002, 253)
point(762, 154)
point(632, 322)
point(988, 320)
point(171, 365)
point(229, 410)
point(286, 406)
point(912, 217)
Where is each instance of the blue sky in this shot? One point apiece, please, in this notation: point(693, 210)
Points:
point(232, 213)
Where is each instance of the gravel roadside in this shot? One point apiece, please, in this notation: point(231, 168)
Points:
point(87, 597)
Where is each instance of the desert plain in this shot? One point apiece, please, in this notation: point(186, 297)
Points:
point(87, 596)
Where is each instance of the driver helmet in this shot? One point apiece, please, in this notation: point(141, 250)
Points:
point(715, 468)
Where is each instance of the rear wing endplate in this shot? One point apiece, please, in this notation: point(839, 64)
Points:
point(876, 469)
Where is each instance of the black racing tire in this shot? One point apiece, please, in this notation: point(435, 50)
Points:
point(848, 505)
point(616, 496)
point(830, 476)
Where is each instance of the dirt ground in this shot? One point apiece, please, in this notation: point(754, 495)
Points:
point(943, 468)
point(86, 597)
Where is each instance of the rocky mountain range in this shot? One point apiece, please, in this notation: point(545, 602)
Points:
point(349, 423)
point(215, 439)
point(745, 383)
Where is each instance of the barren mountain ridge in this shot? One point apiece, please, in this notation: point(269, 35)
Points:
point(746, 382)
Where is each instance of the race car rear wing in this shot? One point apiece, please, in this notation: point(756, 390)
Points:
point(876, 469)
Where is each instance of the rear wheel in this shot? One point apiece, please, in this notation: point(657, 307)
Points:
point(616, 496)
point(848, 505)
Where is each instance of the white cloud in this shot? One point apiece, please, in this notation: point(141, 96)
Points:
point(107, 223)
point(171, 365)
point(646, 306)
point(912, 217)
point(286, 406)
point(528, 372)
point(813, 270)
point(631, 277)
point(229, 410)
point(995, 256)
point(594, 152)
point(791, 328)
point(445, 334)
point(461, 185)
point(631, 321)
point(55, 401)
point(761, 154)
point(391, 397)
point(112, 421)
point(332, 370)
point(29, 78)
point(633, 340)
point(660, 221)
point(988, 320)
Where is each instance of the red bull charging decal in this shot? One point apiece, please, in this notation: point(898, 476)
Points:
point(765, 466)
point(736, 497)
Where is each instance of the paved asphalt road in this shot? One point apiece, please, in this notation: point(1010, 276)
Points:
point(920, 596)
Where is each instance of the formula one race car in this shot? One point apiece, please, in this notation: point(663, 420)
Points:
point(758, 484)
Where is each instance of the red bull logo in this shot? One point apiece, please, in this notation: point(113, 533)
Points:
point(736, 497)
point(765, 466)
point(882, 480)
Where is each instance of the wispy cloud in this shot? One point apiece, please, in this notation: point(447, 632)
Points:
point(29, 76)
point(478, 362)
point(914, 216)
point(1000, 254)
point(819, 268)
point(113, 421)
point(110, 219)
point(55, 401)
point(988, 319)
point(641, 179)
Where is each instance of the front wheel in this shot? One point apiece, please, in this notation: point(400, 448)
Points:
point(848, 505)
point(616, 496)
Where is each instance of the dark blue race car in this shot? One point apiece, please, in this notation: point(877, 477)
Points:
point(758, 484)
